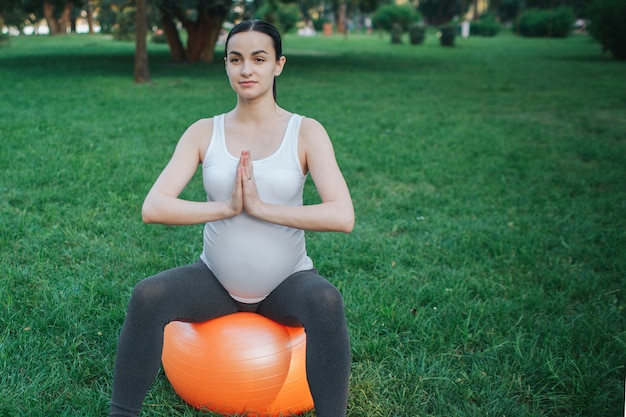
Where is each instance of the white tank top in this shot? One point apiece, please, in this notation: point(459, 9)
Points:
point(250, 257)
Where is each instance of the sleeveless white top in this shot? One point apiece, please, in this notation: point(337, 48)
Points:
point(251, 257)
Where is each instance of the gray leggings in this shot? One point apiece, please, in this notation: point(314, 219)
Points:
point(193, 294)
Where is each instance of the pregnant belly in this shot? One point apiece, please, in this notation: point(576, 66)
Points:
point(250, 258)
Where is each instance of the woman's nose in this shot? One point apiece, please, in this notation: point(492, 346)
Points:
point(245, 69)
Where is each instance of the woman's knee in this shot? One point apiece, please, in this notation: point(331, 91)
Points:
point(328, 297)
point(325, 308)
point(146, 296)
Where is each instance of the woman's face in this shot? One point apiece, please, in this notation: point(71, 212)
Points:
point(251, 64)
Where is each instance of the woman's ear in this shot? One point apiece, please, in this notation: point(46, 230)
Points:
point(280, 64)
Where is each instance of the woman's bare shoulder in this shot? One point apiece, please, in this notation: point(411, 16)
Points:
point(311, 129)
point(312, 133)
point(310, 124)
point(199, 133)
point(202, 126)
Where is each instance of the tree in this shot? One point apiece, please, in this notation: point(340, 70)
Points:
point(389, 15)
point(203, 22)
point(17, 13)
point(509, 10)
point(607, 26)
point(438, 12)
point(58, 14)
point(283, 15)
point(141, 52)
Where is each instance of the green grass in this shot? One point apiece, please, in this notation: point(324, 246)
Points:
point(484, 277)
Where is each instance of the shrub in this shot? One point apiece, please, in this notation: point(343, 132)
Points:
point(448, 33)
point(386, 16)
point(555, 23)
point(284, 16)
point(124, 29)
point(159, 36)
point(288, 16)
point(396, 33)
point(508, 10)
point(607, 25)
point(486, 25)
point(417, 33)
point(318, 24)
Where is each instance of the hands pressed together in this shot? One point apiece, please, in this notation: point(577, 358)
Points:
point(245, 194)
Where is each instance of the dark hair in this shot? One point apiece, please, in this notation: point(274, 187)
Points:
point(255, 25)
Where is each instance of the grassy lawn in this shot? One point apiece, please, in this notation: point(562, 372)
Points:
point(486, 272)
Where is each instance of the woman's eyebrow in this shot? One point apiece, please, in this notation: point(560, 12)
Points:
point(260, 51)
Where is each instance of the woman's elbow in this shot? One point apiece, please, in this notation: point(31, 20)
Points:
point(347, 228)
point(148, 216)
point(347, 223)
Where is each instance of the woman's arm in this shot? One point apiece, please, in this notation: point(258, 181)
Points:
point(334, 213)
point(162, 204)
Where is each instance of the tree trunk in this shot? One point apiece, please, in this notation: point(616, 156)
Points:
point(90, 17)
point(177, 51)
point(48, 12)
point(65, 22)
point(341, 19)
point(58, 26)
point(213, 34)
point(202, 33)
point(141, 51)
point(197, 35)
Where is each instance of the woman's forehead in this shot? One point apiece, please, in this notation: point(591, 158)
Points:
point(251, 40)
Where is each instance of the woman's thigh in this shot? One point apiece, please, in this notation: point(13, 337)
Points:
point(305, 298)
point(186, 293)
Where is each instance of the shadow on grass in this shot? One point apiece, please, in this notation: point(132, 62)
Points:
point(84, 63)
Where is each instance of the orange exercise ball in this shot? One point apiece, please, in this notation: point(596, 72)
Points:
point(240, 363)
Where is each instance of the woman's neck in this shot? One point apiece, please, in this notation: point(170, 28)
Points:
point(257, 112)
